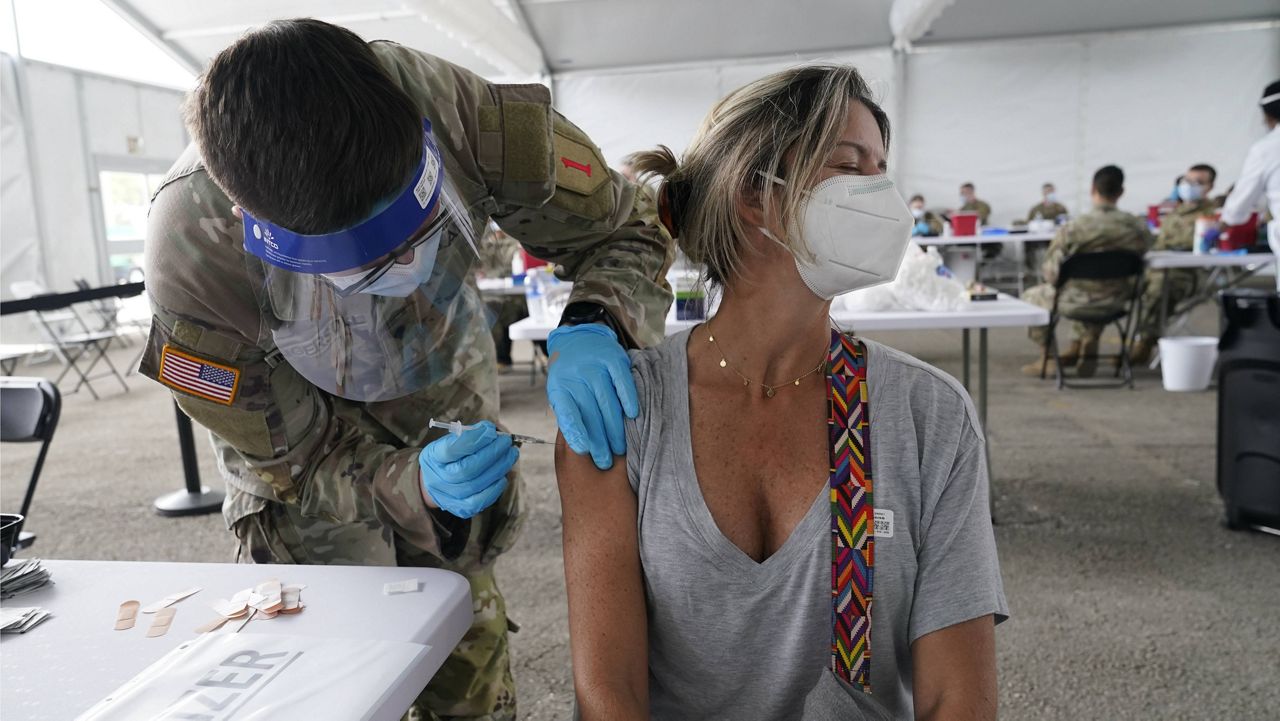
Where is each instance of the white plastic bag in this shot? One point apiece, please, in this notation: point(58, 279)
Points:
point(922, 283)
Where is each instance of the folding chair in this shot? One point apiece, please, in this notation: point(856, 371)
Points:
point(107, 310)
point(29, 410)
point(72, 345)
point(1105, 265)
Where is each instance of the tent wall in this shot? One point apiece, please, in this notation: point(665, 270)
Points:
point(79, 123)
point(1012, 115)
point(1007, 115)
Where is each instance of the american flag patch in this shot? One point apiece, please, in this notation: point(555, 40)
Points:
point(198, 377)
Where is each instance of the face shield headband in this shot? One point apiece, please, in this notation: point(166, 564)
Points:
point(360, 244)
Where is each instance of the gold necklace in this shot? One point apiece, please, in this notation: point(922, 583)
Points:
point(769, 390)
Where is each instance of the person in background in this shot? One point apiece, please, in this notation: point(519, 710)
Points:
point(969, 202)
point(1260, 178)
point(926, 223)
point(496, 252)
point(1177, 232)
point(1103, 228)
point(1048, 208)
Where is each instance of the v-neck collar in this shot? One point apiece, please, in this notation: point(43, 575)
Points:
point(802, 537)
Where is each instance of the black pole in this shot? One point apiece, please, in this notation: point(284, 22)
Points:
point(195, 499)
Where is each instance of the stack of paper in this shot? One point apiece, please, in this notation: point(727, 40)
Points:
point(18, 619)
point(23, 576)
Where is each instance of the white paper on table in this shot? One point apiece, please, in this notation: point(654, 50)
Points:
point(170, 600)
point(409, 585)
point(224, 677)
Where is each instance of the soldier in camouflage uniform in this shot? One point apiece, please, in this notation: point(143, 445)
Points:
point(927, 223)
point(316, 477)
point(1103, 228)
point(971, 204)
point(1177, 232)
point(1049, 208)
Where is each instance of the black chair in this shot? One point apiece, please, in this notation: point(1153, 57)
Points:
point(29, 410)
point(1105, 265)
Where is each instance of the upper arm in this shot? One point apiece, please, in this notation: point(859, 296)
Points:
point(608, 633)
point(954, 672)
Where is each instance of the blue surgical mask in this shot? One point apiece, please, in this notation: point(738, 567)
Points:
point(1051, 197)
point(1190, 192)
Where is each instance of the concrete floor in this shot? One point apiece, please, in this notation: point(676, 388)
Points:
point(1129, 599)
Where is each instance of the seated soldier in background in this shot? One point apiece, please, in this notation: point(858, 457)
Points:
point(970, 203)
point(1048, 208)
point(1103, 228)
point(1177, 232)
point(927, 222)
point(496, 253)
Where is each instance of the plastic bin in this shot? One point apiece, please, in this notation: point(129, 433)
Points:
point(1186, 362)
point(964, 223)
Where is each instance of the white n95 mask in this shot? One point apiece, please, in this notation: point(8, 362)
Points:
point(857, 228)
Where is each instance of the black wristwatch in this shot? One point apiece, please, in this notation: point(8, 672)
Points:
point(584, 311)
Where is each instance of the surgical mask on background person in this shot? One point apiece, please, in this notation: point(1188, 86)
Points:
point(857, 228)
point(917, 212)
point(1190, 192)
point(1050, 197)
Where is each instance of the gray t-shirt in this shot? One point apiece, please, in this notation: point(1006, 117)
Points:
point(730, 638)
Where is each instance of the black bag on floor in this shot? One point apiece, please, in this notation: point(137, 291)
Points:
point(1249, 408)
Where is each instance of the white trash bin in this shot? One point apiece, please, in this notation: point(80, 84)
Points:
point(1186, 362)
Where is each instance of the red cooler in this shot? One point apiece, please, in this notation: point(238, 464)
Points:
point(964, 223)
point(1240, 236)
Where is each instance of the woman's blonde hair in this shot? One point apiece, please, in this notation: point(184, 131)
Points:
point(745, 139)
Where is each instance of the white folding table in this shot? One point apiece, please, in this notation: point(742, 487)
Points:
point(1217, 265)
point(65, 665)
point(499, 287)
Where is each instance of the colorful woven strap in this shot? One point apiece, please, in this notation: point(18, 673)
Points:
point(852, 512)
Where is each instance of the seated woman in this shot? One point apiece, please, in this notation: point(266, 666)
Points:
point(782, 474)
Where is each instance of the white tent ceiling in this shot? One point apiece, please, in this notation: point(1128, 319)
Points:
point(513, 37)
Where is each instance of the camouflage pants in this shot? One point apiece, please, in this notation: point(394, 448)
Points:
point(1042, 296)
point(474, 683)
point(1182, 284)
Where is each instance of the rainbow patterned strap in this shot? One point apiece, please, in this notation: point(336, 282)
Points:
point(852, 512)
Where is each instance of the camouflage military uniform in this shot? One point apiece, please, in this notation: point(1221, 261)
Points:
point(1046, 210)
point(1177, 232)
point(932, 220)
point(1103, 228)
point(495, 262)
point(980, 207)
point(314, 478)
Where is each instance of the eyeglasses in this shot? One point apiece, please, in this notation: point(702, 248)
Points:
point(437, 226)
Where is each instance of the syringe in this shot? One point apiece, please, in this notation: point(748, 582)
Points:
point(456, 428)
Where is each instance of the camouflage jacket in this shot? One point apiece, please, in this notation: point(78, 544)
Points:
point(512, 158)
point(1177, 229)
point(1103, 228)
point(980, 207)
point(1048, 211)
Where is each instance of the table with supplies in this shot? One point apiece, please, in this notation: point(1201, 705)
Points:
point(76, 659)
point(1225, 271)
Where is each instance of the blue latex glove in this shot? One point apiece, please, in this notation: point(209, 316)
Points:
point(922, 228)
point(590, 386)
point(466, 473)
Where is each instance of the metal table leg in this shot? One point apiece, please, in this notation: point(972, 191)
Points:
point(982, 418)
point(1164, 300)
point(965, 373)
point(195, 499)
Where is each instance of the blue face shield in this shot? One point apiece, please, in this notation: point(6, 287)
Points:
point(370, 240)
